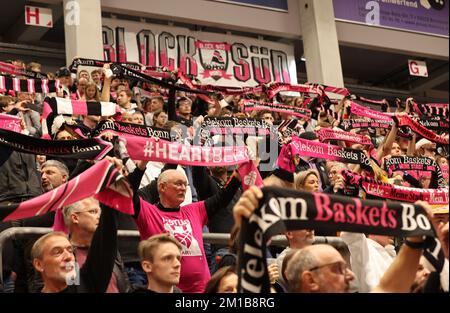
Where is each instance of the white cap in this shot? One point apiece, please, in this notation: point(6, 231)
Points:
point(423, 142)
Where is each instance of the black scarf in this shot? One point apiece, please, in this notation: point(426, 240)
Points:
point(281, 210)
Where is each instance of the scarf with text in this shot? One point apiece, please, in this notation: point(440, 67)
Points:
point(326, 134)
point(282, 210)
point(336, 90)
point(152, 71)
point(55, 106)
point(234, 126)
point(366, 100)
point(98, 63)
point(388, 191)
point(365, 123)
point(120, 128)
point(360, 110)
point(303, 147)
point(276, 88)
point(167, 152)
point(233, 91)
point(28, 85)
point(93, 181)
point(436, 123)
point(9, 68)
point(421, 164)
point(149, 149)
point(129, 73)
point(251, 105)
point(90, 149)
point(10, 122)
point(406, 120)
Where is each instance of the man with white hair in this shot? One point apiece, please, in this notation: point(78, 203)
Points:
point(426, 148)
point(53, 174)
point(82, 219)
point(53, 255)
point(185, 223)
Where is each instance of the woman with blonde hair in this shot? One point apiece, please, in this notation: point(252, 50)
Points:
point(307, 180)
point(91, 92)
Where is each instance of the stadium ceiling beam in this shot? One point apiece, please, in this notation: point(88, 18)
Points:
point(435, 79)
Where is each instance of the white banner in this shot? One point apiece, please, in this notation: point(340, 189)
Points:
point(417, 68)
point(215, 59)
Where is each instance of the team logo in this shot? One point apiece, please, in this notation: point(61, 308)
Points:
point(214, 59)
point(182, 231)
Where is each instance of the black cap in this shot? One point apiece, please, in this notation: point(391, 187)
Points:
point(63, 72)
point(308, 136)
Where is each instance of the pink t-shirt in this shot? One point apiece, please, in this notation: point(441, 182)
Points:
point(186, 225)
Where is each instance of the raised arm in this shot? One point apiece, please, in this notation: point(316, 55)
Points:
point(400, 275)
point(223, 197)
point(106, 90)
point(97, 270)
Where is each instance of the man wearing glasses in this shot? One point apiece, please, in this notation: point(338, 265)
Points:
point(184, 223)
point(84, 263)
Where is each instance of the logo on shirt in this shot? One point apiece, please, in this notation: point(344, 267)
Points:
point(182, 231)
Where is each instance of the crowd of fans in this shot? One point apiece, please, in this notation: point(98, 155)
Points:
point(175, 205)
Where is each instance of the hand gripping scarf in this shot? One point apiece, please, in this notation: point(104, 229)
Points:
point(56, 106)
point(282, 210)
point(394, 192)
point(421, 164)
point(250, 105)
point(94, 181)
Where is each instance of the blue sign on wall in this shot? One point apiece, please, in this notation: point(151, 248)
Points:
point(279, 5)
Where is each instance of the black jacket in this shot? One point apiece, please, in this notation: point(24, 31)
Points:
point(20, 179)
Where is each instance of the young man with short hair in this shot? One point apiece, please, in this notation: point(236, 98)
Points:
point(161, 260)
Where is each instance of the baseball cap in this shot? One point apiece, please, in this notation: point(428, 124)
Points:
point(422, 142)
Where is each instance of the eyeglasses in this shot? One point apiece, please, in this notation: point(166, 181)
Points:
point(338, 267)
point(180, 184)
point(90, 211)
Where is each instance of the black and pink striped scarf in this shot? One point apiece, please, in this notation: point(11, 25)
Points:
point(55, 106)
point(28, 85)
point(102, 180)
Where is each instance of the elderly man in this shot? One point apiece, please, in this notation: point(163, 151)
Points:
point(53, 174)
point(185, 223)
point(82, 219)
point(53, 254)
point(321, 268)
point(161, 260)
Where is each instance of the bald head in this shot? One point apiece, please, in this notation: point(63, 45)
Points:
point(318, 268)
point(172, 186)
